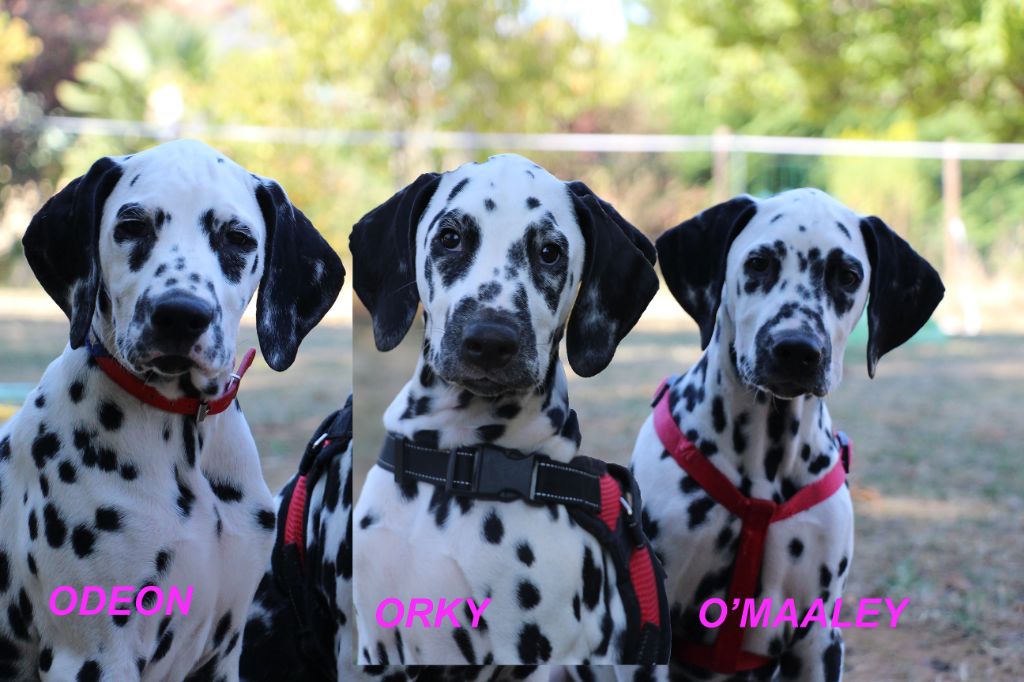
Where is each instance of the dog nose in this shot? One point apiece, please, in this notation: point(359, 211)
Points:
point(796, 354)
point(181, 318)
point(489, 345)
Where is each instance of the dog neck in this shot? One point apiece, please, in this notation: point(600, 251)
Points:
point(435, 413)
point(771, 446)
point(180, 386)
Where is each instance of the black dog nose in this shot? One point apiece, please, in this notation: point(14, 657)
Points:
point(181, 318)
point(489, 345)
point(796, 353)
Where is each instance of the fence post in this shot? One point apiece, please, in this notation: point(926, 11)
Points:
point(721, 145)
point(960, 291)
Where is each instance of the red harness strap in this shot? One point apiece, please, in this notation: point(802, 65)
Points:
point(726, 654)
point(641, 570)
point(295, 516)
point(149, 395)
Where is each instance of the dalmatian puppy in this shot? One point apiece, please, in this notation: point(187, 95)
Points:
point(299, 625)
point(501, 254)
point(153, 257)
point(776, 286)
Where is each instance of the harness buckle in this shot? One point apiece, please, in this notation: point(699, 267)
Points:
point(495, 474)
point(202, 410)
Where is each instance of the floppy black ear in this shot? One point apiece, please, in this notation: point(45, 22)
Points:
point(618, 282)
point(302, 276)
point(905, 290)
point(62, 244)
point(693, 257)
point(384, 259)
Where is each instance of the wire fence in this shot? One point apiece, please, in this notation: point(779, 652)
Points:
point(722, 141)
point(728, 168)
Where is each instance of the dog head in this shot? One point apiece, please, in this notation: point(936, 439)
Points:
point(790, 276)
point(496, 252)
point(159, 253)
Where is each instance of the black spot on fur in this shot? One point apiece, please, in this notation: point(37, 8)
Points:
point(461, 637)
point(45, 446)
point(494, 529)
point(108, 519)
point(698, 510)
point(226, 491)
point(525, 554)
point(591, 580)
point(82, 540)
point(533, 646)
point(56, 529)
point(528, 595)
point(89, 672)
point(266, 519)
point(531, 202)
point(458, 188)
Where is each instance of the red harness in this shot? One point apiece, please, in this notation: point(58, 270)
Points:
point(149, 395)
point(726, 655)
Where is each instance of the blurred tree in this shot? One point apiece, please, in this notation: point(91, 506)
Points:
point(870, 64)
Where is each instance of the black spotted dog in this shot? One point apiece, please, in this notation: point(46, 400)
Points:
point(496, 252)
point(299, 626)
point(105, 480)
point(776, 286)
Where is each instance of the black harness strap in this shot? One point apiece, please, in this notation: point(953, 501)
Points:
point(296, 574)
point(603, 500)
point(493, 473)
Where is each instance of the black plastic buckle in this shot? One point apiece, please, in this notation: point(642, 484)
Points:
point(495, 474)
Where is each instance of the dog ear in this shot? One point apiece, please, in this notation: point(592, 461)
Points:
point(905, 290)
point(693, 258)
point(617, 285)
point(384, 257)
point(62, 244)
point(302, 276)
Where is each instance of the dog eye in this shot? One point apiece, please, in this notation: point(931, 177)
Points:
point(848, 278)
point(240, 238)
point(450, 239)
point(758, 264)
point(130, 229)
point(550, 253)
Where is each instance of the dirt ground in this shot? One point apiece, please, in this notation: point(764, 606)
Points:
point(937, 481)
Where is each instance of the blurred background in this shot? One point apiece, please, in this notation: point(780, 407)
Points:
point(907, 109)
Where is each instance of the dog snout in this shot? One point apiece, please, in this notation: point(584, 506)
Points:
point(797, 354)
point(179, 319)
point(489, 345)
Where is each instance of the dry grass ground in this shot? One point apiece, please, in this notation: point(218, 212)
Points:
point(937, 480)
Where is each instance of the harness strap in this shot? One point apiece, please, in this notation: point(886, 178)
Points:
point(491, 472)
point(149, 395)
point(726, 654)
point(296, 578)
point(602, 498)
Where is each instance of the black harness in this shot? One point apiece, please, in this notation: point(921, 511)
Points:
point(297, 576)
point(601, 498)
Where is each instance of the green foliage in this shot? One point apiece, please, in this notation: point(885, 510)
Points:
point(902, 69)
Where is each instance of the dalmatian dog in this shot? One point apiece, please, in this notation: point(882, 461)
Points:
point(299, 626)
point(776, 287)
point(153, 257)
point(501, 254)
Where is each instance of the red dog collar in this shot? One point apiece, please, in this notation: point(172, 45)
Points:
point(149, 395)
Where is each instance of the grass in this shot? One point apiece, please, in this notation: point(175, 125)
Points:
point(937, 481)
